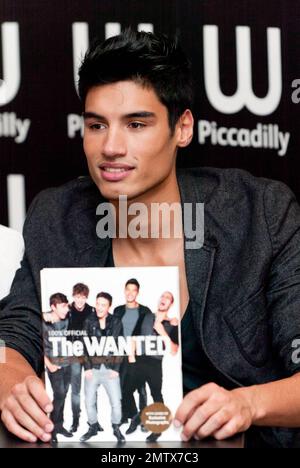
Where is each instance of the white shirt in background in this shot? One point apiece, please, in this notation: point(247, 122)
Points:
point(11, 254)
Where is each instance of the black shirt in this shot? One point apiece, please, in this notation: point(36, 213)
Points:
point(196, 367)
point(77, 319)
point(113, 327)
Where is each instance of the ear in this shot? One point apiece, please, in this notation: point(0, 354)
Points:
point(184, 129)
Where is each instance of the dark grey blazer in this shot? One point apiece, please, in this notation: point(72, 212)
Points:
point(245, 279)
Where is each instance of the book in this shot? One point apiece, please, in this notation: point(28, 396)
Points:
point(112, 350)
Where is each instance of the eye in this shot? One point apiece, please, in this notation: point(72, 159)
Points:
point(96, 126)
point(137, 125)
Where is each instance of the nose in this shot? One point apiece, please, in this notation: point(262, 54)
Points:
point(114, 144)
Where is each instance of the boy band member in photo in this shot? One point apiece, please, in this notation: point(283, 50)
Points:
point(58, 368)
point(164, 325)
point(132, 315)
point(79, 312)
point(102, 324)
point(148, 369)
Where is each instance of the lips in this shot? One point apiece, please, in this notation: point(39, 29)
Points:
point(115, 172)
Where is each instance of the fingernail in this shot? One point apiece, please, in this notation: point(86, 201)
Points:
point(184, 437)
point(46, 437)
point(196, 437)
point(49, 408)
point(32, 439)
point(177, 423)
point(49, 428)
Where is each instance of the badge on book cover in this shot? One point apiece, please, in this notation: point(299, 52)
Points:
point(156, 417)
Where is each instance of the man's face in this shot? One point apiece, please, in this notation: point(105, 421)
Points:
point(79, 301)
point(127, 140)
point(165, 301)
point(102, 307)
point(131, 293)
point(61, 310)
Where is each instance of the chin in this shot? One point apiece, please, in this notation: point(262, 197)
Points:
point(112, 194)
point(109, 191)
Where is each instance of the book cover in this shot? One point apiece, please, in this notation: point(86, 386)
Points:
point(112, 353)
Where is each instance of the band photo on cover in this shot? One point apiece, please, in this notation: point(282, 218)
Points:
point(112, 353)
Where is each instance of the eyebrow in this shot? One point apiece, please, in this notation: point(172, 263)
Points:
point(132, 115)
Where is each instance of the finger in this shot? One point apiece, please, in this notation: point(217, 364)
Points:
point(192, 400)
point(214, 423)
point(35, 412)
point(13, 427)
point(199, 418)
point(228, 430)
point(25, 421)
point(37, 390)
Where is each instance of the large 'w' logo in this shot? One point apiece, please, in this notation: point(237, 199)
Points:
point(244, 95)
point(10, 84)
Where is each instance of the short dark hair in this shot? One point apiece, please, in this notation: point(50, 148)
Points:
point(152, 60)
point(82, 289)
point(105, 295)
point(58, 298)
point(133, 281)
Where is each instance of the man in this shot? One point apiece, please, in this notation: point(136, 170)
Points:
point(148, 369)
point(164, 325)
point(79, 312)
point(132, 315)
point(101, 325)
point(242, 285)
point(58, 368)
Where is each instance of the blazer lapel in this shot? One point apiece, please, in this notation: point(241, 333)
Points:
point(198, 262)
point(92, 251)
point(95, 255)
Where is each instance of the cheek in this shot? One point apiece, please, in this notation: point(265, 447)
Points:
point(89, 146)
point(153, 151)
point(151, 143)
point(86, 149)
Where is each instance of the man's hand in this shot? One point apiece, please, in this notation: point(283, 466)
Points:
point(24, 411)
point(88, 374)
point(48, 317)
point(113, 374)
point(213, 411)
point(53, 368)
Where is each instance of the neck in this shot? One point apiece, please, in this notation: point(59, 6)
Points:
point(163, 312)
point(132, 305)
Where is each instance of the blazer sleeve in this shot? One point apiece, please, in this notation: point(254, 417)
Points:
point(20, 311)
point(282, 214)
